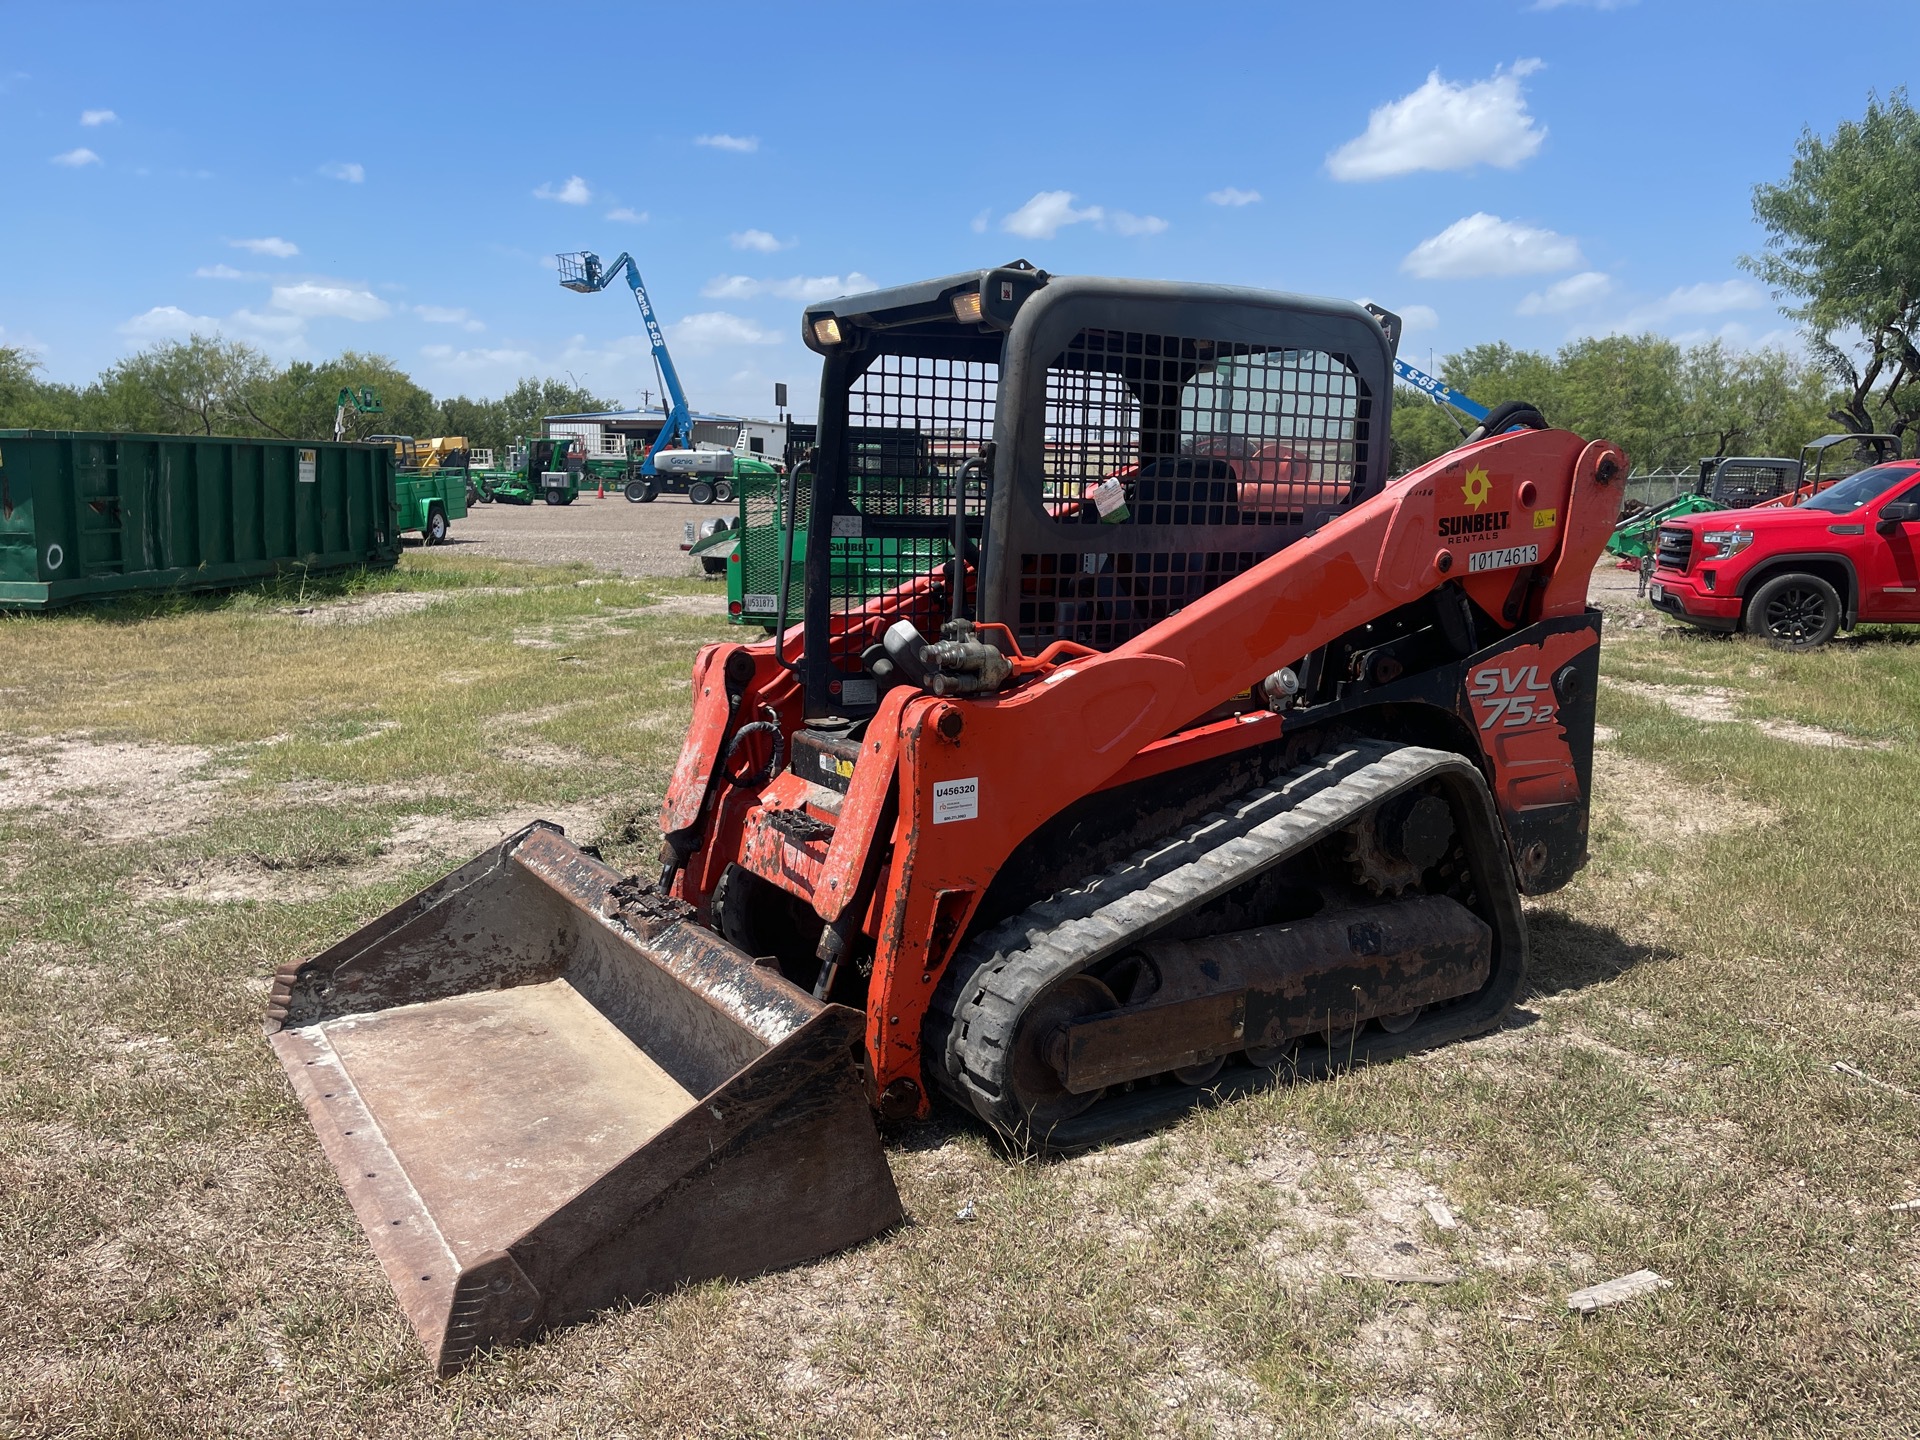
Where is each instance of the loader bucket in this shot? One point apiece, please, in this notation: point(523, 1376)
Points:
point(545, 1090)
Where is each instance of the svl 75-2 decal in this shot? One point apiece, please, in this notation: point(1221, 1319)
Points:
point(1510, 697)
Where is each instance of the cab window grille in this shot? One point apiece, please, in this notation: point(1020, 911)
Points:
point(1223, 452)
point(911, 422)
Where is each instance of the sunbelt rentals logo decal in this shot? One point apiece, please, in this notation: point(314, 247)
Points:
point(1476, 488)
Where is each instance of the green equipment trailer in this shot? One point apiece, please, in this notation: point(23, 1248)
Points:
point(88, 516)
point(431, 483)
point(429, 502)
point(747, 547)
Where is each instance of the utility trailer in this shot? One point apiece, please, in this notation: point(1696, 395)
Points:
point(433, 483)
point(88, 516)
point(1131, 766)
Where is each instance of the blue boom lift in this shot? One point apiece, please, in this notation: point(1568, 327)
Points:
point(582, 271)
point(1439, 391)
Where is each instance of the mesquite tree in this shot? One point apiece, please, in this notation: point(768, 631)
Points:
point(1843, 241)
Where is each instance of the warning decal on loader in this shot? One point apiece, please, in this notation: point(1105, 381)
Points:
point(956, 800)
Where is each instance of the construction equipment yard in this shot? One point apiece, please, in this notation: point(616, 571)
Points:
point(1696, 1081)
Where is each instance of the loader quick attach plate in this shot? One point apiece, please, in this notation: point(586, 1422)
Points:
point(544, 1094)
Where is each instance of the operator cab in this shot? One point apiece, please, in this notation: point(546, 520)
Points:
point(1097, 454)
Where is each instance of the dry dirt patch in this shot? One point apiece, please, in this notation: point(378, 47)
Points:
point(365, 609)
point(120, 790)
point(1714, 705)
point(1650, 801)
point(415, 842)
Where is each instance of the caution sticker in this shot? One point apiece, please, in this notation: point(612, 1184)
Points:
point(956, 800)
point(1545, 519)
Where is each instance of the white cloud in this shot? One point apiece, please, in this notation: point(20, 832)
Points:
point(1233, 196)
point(1737, 336)
point(1709, 298)
point(1051, 211)
point(1484, 244)
point(714, 328)
point(268, 245)
point(282, 334)
point(1128, 224)
point(1042, 217)
point(758, 240)
point(804, 288)
point(346, 170)
point(313, 298)
point(224, 272)
point(980, 221)
point(573, 192)
point(1568, 294)
point(1690, 301)
point(98, 117)
point(447, 315)
point(627, 216)
point(169, 321)
point(742, 144)
point(1418, 317)
point(1443, 126)
point(74, 159)
point(270, 326)
point(508, 361)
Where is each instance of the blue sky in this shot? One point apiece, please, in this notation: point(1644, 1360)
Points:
point(397, 177)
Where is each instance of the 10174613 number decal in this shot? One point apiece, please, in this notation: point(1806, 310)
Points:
point(1510, 697)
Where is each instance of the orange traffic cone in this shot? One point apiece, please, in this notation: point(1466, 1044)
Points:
point(603, 488)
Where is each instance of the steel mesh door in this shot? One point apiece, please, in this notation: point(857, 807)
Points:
point(1172, 463)
point(911, 421)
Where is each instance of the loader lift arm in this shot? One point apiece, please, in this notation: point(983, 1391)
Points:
point(581, 271)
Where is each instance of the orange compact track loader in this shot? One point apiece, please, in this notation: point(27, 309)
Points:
point(1138, 741)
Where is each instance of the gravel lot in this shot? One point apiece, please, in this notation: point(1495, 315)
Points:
point(613, 534)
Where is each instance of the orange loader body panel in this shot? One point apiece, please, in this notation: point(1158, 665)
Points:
point(945, 789)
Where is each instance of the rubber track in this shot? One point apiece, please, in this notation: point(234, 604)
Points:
point(1000, 972)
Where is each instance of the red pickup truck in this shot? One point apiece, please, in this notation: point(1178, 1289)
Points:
point(1796, 576)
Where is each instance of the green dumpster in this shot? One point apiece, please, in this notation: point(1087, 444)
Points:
point(86, 516)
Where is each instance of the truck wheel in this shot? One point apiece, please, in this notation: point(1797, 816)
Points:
point(723, 490)
point(473, 494)
point(554, 497)
point(1794, 612)
point(713, 565)
point(700, 493)
point(640, 491)
point(436, 531)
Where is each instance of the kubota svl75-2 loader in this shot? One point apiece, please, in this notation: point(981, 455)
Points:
point(1139, 741)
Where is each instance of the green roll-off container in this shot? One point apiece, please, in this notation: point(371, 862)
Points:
point(86, 516)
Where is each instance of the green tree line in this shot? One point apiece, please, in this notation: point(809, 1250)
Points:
point(207, 386)
point(1667, 405)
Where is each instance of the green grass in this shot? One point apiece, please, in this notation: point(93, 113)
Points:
point(180, 1260)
